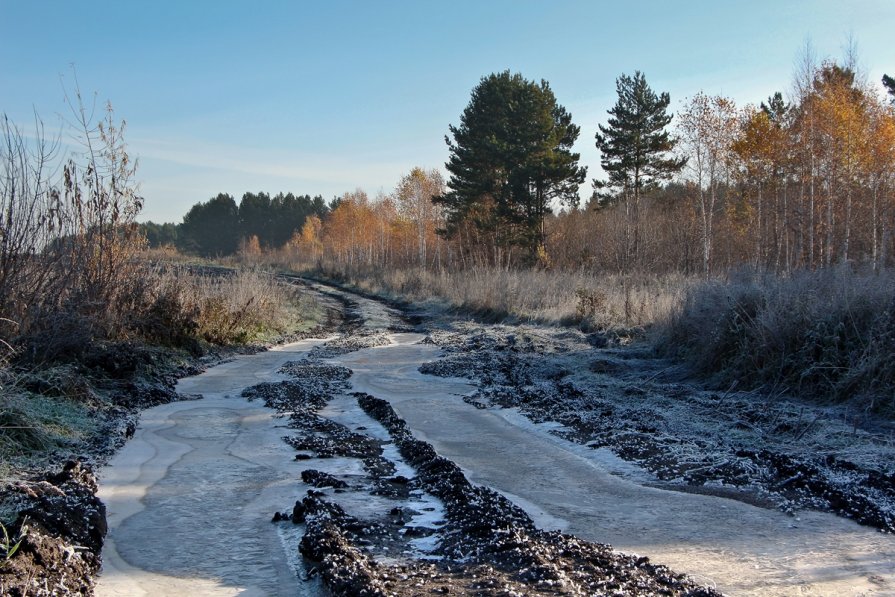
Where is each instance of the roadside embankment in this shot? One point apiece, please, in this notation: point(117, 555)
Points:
point(78, 407)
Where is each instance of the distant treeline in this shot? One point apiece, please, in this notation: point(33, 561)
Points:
point(219, 225)
point(799, 182)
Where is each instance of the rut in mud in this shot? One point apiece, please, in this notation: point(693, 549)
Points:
point(401, 482)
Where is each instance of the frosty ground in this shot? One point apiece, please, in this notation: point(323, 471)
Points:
point(389, 515)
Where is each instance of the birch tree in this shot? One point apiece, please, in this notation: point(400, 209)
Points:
point(414, 193)
point(881, 179)
point(707, 128)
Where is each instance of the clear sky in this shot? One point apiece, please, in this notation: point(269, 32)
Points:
point(324, 97)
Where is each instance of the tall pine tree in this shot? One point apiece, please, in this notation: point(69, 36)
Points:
point(889, 83)
point(510, 158)
point(776, 109)
point(634, 146)
point(211, 228)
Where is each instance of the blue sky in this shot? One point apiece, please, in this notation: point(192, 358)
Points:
point(324, 97)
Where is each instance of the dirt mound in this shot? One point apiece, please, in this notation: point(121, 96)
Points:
point(346, 343)
point(62, 525)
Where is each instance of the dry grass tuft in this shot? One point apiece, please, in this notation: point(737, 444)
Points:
point(217, 307)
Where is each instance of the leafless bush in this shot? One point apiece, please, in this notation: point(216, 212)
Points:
point(26, 221)
point(66, 242)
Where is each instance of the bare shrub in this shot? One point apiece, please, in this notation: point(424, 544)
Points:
point(67, 245)
point(26, 204)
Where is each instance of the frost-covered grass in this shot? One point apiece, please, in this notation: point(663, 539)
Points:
point(225, 308)
point(42, 424)
point(32, 424)
point(829, 334)
point(600, 301)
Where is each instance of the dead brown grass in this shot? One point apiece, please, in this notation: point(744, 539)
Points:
point(183, 304)
point(606, 302)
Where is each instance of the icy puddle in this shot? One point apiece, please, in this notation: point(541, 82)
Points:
point(737, 548)
point(190, 497)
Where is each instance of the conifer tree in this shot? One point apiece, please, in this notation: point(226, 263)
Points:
point(889, 83)
point(211, 228)
point(634, 146)
point(510, 158)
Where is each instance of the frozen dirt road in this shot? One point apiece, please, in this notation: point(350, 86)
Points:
point(190, 497)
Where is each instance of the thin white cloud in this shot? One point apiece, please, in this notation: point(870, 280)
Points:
point(319, 167)
point(178, 172)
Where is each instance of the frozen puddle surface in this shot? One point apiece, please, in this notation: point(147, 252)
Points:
point(190, 497)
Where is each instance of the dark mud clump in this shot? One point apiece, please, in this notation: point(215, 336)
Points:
point(309, 370)
point(321, 479)
point(347, 343)
point(62, 525)
point(315, 384)
point(345, 570)
point(808, 483)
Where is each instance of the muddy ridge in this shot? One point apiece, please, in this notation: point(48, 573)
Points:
point(781, 453)
point(486, 545)
point(62, 525)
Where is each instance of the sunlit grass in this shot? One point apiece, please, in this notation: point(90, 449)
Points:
point(604, 302)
